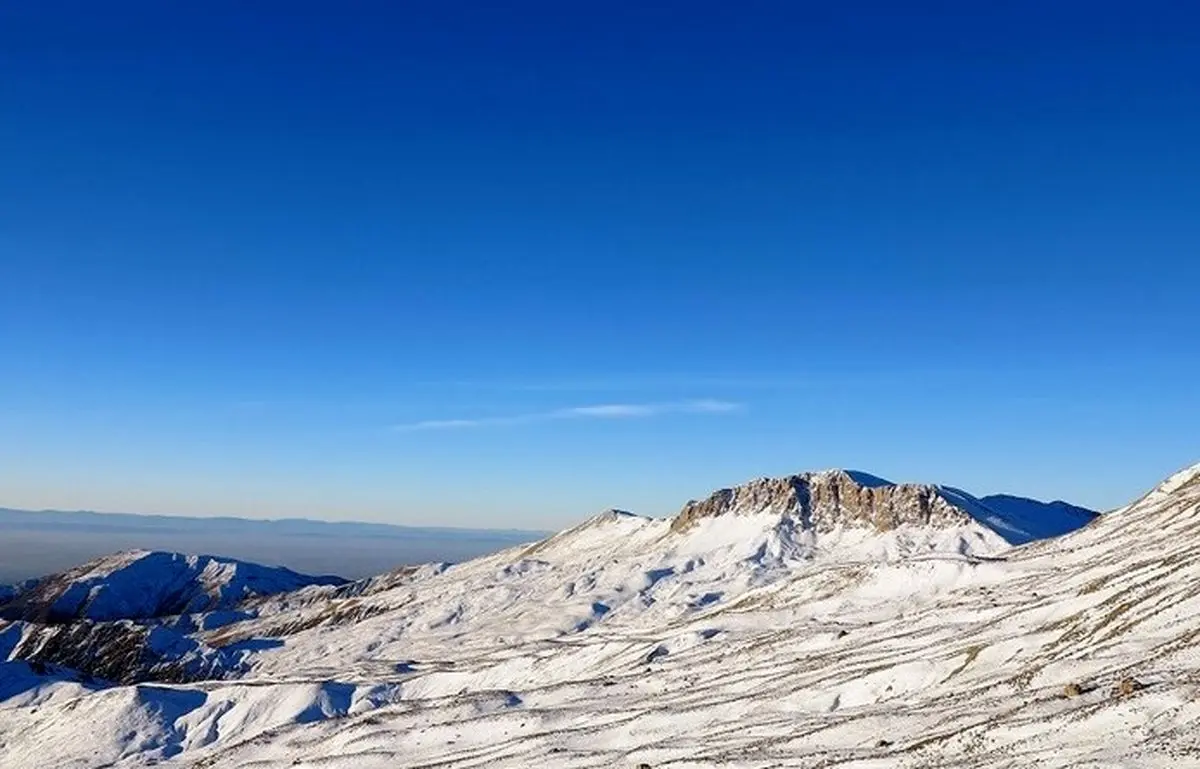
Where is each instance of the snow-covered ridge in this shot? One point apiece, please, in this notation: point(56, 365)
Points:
point(1178, 482)
point(133, 616)
point(141, 584)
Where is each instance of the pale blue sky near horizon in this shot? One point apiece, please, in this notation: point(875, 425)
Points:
point(448, 264)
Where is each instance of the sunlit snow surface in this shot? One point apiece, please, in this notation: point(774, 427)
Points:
point(740, 643)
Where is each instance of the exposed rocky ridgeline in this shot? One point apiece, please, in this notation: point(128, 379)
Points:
point(825, 501)
point(124, 651)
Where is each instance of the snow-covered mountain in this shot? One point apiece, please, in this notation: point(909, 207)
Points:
point(130, 616)
point(821, 619)
point(141, 584)
point(836, 499)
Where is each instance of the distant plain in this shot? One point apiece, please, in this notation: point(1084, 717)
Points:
point(34, 543)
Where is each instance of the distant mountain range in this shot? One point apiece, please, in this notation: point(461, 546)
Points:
point(37, 542)
point(89, 520)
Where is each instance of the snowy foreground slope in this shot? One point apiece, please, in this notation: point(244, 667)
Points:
point(821, 620)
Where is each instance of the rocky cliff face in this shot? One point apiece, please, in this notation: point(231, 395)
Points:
point(124, 651)
point(827, 500)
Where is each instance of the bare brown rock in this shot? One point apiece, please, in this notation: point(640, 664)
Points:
point(1126, 687)
point(823, 501)
point(1072, 690)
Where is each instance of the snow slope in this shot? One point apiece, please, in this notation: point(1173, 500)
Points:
point(791, 635)
point(1020, 520)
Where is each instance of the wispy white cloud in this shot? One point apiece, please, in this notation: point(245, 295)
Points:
point(599, 411)
point(610, 411)
point(443, 424)
point(712, 406)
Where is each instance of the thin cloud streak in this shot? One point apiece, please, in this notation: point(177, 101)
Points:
point(445, 424)
point(712, 406)
point(611, 411)
point(600, 411)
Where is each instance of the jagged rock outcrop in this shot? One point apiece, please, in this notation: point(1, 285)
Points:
point(826, 500)
point(123, 651)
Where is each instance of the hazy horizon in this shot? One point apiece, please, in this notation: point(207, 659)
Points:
point(464, 521)
point(39, 542)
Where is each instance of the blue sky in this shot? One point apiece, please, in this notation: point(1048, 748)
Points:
point(446, 263)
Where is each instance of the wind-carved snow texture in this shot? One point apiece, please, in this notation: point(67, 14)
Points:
point(796, 634)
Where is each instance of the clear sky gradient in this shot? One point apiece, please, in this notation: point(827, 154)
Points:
point(510, 264)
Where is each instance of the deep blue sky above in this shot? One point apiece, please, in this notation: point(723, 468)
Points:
point(508, 265)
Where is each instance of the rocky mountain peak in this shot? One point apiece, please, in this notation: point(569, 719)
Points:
point(823, 501)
